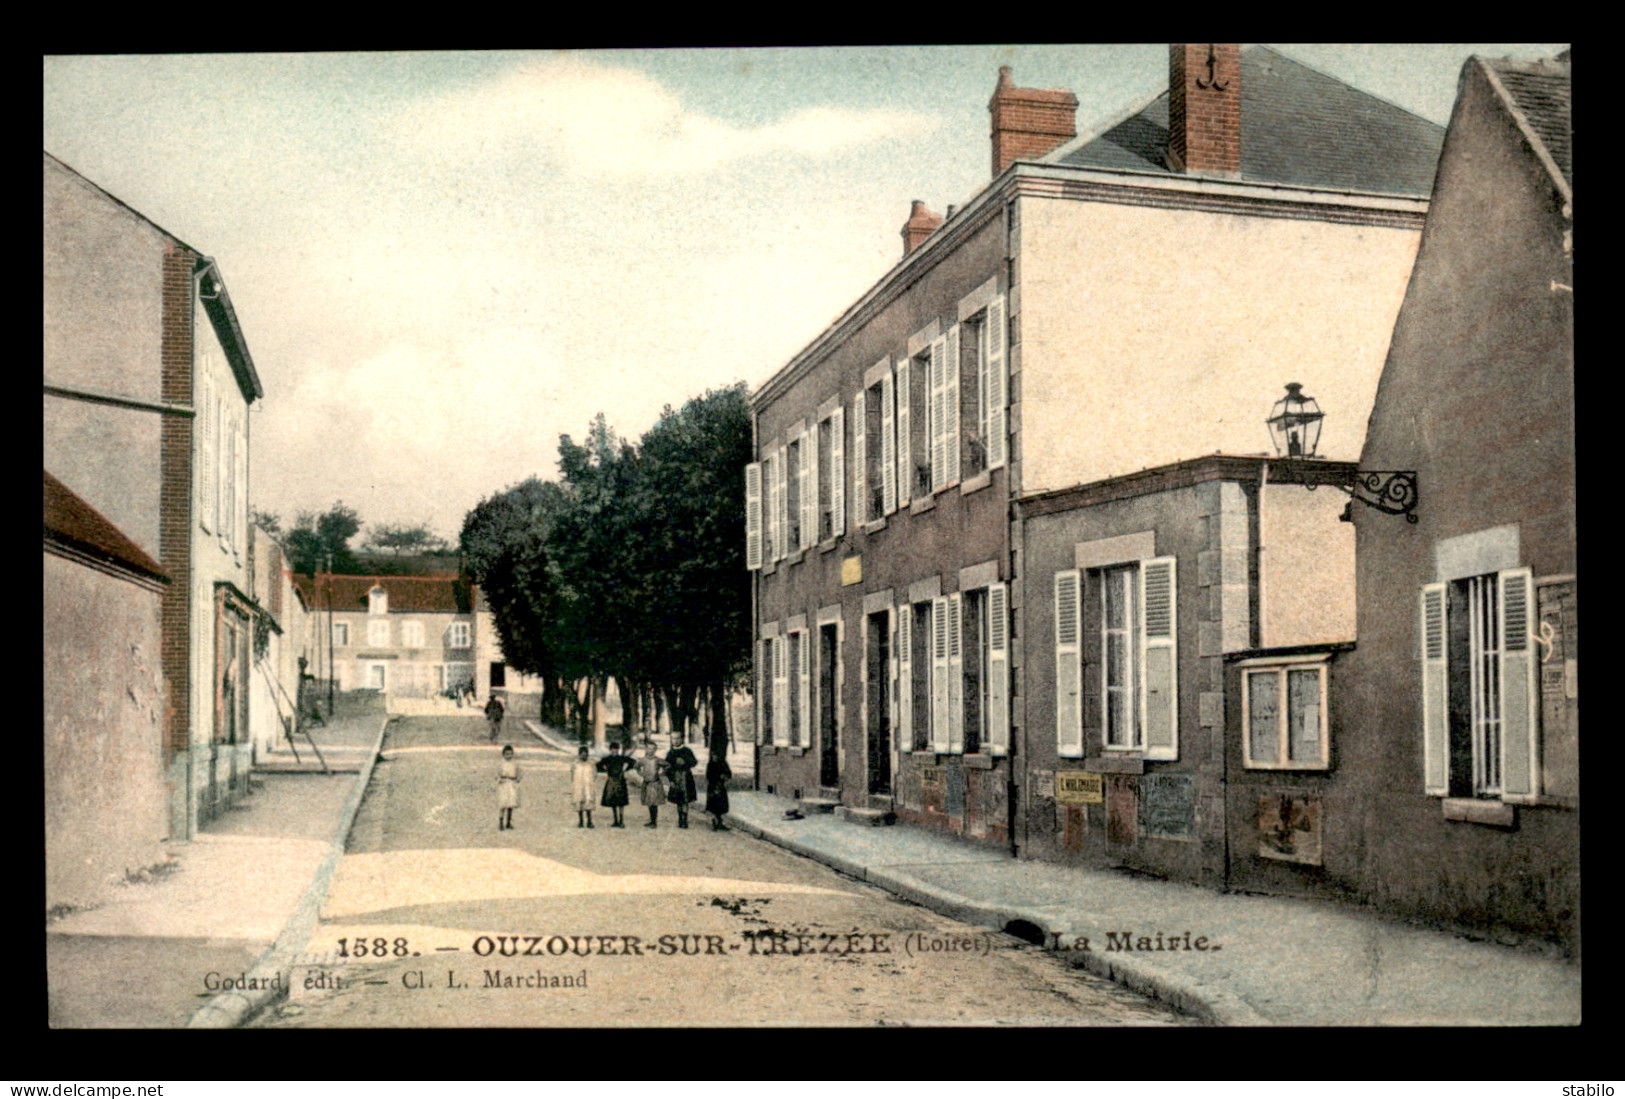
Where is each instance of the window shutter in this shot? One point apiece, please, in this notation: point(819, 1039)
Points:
point(994, 414)
point(893, 668)
point(781, 502)
point(799, 735)
point(950, 410)
point(804, 512)
point(956, 675)
point(1068, 664)
point(218, 449)
point(998, 670)
point(939, 675)
point(1435, 691)
point(904, 618)
point(781, 693)
point(764, 688)
point(241, 513)
point(1159, 680)
point(905, 439)
point(939, 412)
point(1520, 743)
point(203, 452)
point(753, 515)
point(837, 472)
point(888, 444)
point(860, 445)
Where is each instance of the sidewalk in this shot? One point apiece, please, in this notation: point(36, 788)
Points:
point(1277, 961)
point(242, 899)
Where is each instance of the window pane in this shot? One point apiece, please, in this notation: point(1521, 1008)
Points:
point(1116, 718)
point(1114, 600)
point(1303, 710)
point(1263, 716)
point(1116, 660)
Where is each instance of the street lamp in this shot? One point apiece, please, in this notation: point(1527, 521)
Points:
point(1295, 423)
point(1294, 426)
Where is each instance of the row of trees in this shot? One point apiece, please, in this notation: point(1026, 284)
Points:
point(321, 542)
point(631, 568)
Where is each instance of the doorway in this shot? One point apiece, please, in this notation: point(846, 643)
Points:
point(829, 748)
point(878, 682)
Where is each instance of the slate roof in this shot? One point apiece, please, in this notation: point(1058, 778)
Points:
point(76, 526)
point(407, 594)
point(1540, 91)
point(1298, 126)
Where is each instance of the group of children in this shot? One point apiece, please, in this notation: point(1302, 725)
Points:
point(670, 779)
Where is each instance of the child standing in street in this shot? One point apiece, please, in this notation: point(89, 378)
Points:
point(581, 783)
point(650, 770)
point(507, 789)
point(615, 767)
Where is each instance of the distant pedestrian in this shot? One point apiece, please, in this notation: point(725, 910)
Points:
point(717, 774)
point(493, 716)
point(680, 764)
point(507, 789)
point(651, 770)
point(581, 783)
point(614, 767)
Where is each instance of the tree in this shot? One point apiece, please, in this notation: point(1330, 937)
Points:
point(632, 568)
point(267, 521)
point(505, 548)
point(398, 538)
point(322, 542)
point(698, 620)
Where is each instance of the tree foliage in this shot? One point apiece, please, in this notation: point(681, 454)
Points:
point(322, 542)
point(399, 538)
point(632, 567)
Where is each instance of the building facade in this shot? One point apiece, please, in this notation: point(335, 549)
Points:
point(148, 383)
point(106, 790)
point(1154, 579)
point(403, 636)
point(1108, 304)
point(1459, 784)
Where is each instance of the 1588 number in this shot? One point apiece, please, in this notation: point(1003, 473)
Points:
point(373, 948)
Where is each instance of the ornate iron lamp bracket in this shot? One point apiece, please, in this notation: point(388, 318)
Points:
point(1389, 490)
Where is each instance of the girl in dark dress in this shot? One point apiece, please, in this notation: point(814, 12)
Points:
point(717, 774)
point(680, 764)
point(614, 767)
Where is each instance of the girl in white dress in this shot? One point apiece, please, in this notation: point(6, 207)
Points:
point(507, 789)
point(582, 775)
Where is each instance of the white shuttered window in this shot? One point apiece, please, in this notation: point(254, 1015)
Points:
point(1159, 660)
point(753, 515)
point(860, 463)
point(939, 675)
point(1068, 664)
point(998, 669)
point(995, 419)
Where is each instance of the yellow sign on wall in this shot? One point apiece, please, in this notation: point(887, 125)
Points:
point(1079, 788)
point(852, 570)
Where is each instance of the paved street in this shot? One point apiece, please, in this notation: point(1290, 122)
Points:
point(551, 925)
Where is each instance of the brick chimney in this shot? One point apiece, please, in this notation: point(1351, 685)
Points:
point(1204, 108)
point(1029, 122)
point(921, 223)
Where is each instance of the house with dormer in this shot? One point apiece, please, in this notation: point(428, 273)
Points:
point(1005, 515)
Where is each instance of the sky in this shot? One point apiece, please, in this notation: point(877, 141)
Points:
point(442, 262)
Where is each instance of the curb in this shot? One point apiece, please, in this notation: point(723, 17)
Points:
point(232, 1009)
point(1204, 1002)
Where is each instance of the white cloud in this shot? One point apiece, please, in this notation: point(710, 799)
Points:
point(595, 119)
